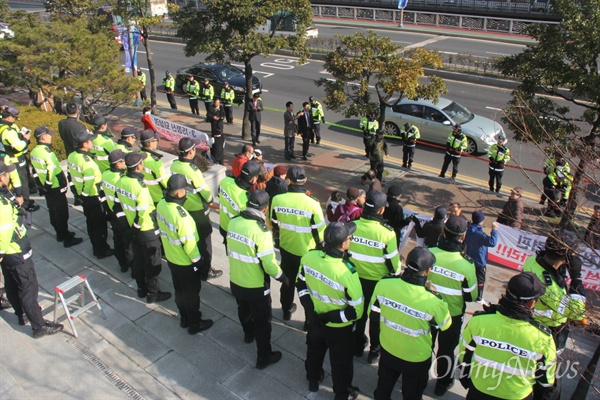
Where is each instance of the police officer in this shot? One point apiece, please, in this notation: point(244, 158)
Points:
point(207, 92)
point(316, 112)
point(192, 88)
point(20, 279)
point(227, 98)
point(556, 306)
point(374, 252)
point(155, 176)
point(330, 292)
point(455, 280)
point(136, 201)
point(407, 310)
point(15, 144)
point(103, 144)
point(197, 202)
point(233, 194)
point(456, 144)
point(299, 223)
point(53, 185)
point(142, 81)
point(499, 155)
point(505, 336)
point(409, 135)
point(251, 260)
point(118, 221)
point(169, 83)
point(127, 140)
point(216, 115)
point(179, 237)
point(369, 126)
point(86, 178)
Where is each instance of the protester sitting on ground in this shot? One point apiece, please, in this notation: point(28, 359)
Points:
point(333, 202)
point(277, 184)
point(429, 234)
point(370, 178)
point(512, 211)
point(394, 213)
point(455, 210)
point(241, 158)
point(266, 171)
point(350, 210)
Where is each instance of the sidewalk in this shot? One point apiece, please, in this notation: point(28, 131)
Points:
point(139, 351)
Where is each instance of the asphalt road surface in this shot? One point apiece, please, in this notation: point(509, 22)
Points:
point(283, 79)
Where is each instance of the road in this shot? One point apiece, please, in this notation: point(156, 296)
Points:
point(281, 76)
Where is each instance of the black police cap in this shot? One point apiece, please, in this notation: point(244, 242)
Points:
point(128, 131)
point(525, 286)
point(116, 155)
point(84, 136)
point(5, 169)
point(186, 144)
point(41, 131)
point(376, 199)
point(98, 120)
point(132, 160)
point(176, 182)
point(420, 259)
point(297, 174)
point(258, 199)
point(336, 233)
point(456, 225)
point(250, 169)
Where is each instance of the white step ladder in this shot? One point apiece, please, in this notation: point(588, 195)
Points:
point(80, 282)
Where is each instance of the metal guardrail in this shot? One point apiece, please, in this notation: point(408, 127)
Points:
point(426, 18)
point(494, 6)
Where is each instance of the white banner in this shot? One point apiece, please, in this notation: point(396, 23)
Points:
point(173, 132)
point(515, 246)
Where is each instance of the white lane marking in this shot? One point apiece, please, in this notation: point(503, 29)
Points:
point(426, 42)
point(400, 42)
point(447, 52)
point(143, 52)
point(254, 72)
point(351, 83)
point(324, 72)
point(497, 54)
point(145, 69)
point(493, 108)
point(276, 65)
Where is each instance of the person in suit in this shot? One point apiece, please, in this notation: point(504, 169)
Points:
point(289, 130)
point(255, 108)
point(305, 128)
point(216, 115)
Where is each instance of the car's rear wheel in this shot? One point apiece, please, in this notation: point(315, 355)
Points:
point(391, 129)
point(471, 146)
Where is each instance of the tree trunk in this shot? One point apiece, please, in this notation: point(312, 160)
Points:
point(246, 122)
point(382, 107)
point(150, 70)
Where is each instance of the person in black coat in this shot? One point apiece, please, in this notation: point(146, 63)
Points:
point(394, 213)
point(255, 108)
point(277, 184)
point(216, 115)
point(69, 127)
point(431, 230)
point(305, 128)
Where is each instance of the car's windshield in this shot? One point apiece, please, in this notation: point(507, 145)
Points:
point(228, 73)
point(458, 113)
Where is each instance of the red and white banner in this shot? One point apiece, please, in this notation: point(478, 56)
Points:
point(173, 132)
point(515, 246)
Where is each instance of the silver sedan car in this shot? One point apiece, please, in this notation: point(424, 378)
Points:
point(435, 123)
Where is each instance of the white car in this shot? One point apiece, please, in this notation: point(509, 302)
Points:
point(5, 32)
point(435, 123)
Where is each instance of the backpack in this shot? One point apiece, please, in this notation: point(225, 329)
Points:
point(345, 217)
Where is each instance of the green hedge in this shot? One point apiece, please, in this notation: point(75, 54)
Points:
point(32, 117)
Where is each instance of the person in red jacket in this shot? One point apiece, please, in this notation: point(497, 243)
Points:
point(242, 158)
point(147, 121)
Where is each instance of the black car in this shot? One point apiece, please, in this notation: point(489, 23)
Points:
point(218, 74)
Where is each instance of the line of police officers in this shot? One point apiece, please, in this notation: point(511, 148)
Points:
point(343, 272)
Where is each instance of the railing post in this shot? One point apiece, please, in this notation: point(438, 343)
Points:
point(510, 26)
point(485, 24)
point(337, 12)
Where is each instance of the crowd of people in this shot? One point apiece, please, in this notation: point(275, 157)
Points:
point(344, 265)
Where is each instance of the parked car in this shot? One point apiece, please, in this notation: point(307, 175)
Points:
point(5, 32)
point(218, 74)
point(435, 123)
